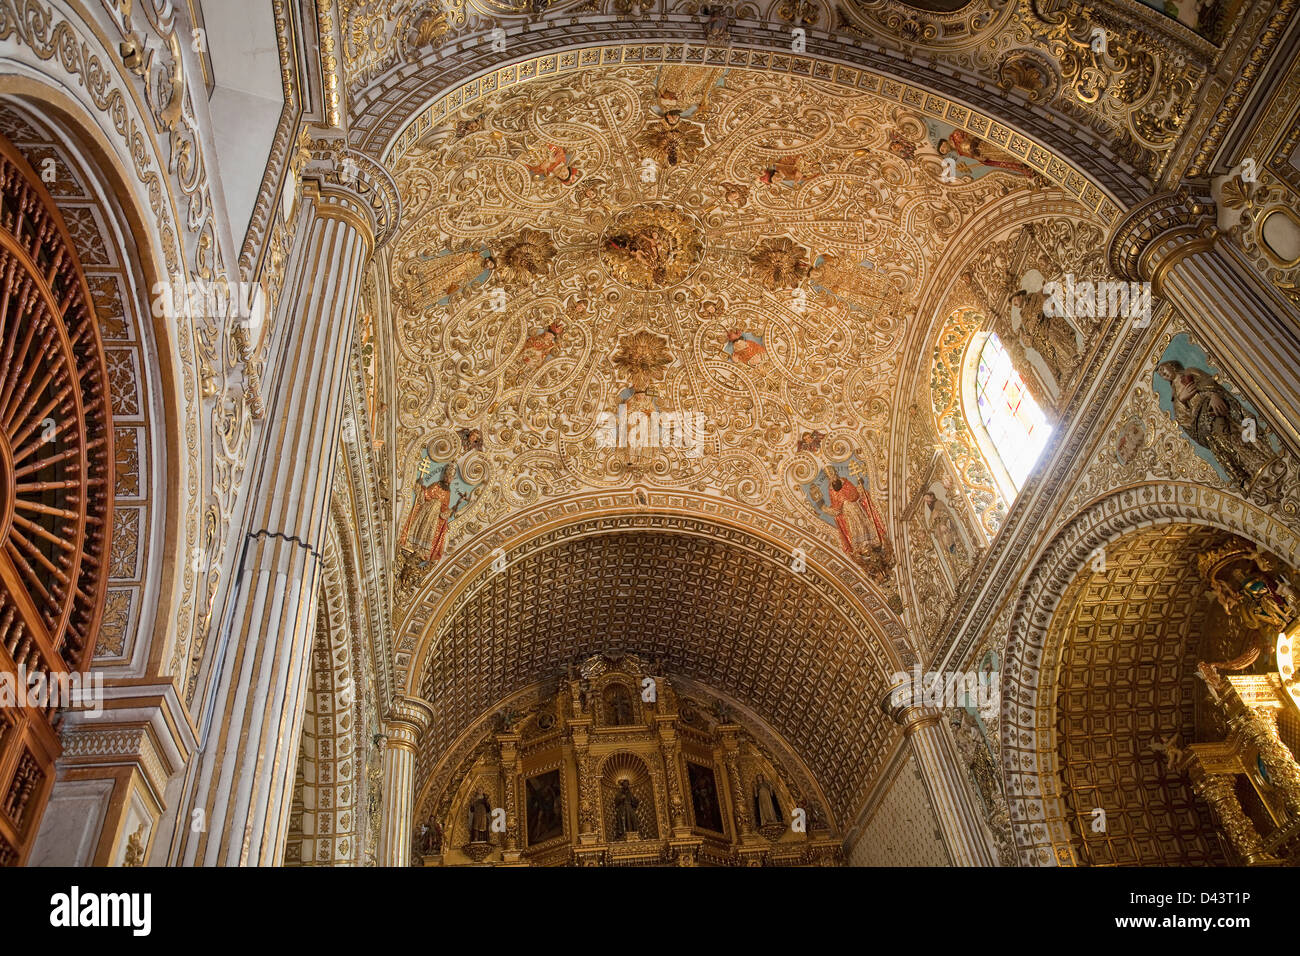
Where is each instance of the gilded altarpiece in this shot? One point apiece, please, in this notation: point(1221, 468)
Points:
point(615, 763)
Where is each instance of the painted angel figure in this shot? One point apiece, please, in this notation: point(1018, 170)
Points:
point(556, 165)
point(537, 349)
point(1173, 753)
point(745, 347)
point(682, 92)
point(974, 148)
point(789, 170)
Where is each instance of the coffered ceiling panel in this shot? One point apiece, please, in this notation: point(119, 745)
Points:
point(713, 612)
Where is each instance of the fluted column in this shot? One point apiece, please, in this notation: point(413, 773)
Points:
point(1173, 242)
point(409, 721)
point(239, 790)
point(945, 778)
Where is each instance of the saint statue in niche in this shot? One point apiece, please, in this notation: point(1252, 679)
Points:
point(625, 804)
point(939, 520)
point(1212, 417)
point(1051, 336)
point(767, 810)
point(480, 813)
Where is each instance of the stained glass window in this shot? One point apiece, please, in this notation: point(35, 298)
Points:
point(1015, 424)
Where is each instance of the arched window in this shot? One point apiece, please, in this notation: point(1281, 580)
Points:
point(1011, 427)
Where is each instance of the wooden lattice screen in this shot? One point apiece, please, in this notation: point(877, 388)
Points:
point(56, 492)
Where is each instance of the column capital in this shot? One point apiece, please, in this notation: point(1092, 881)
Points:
point(407, 721)
point(901, 706)
point(1158, 232)
point(349, 185)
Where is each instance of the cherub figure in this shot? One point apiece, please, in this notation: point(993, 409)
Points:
point(556, 165)
point(1174, 754)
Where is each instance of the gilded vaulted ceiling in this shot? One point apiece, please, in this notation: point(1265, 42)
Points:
point(1130, 635)
point(736, 246)
point(728, 614)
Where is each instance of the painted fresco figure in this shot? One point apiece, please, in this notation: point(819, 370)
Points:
point(974, 148)
point(427, 523)
point(860, 525)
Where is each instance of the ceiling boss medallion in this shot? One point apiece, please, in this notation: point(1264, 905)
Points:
point(651, 246)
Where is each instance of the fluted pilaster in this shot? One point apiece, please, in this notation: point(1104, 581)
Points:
point(945, 779)
point(1172, 241)
point(408, 722)
point(239, 790)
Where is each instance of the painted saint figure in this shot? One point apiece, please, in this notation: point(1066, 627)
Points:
point(860, 525)
point(974, 148)
point(434, 277)
point(426, 525)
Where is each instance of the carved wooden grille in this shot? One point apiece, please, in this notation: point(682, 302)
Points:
point(56, 467)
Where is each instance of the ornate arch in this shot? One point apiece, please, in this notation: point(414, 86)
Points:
point(411, 61)
point(1028, 756)
point(833, 629)
point(456, 580)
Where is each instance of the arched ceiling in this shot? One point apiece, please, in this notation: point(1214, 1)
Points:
point(1130, 637)
point(735, 245)
point(731, 615)
point(744, 247)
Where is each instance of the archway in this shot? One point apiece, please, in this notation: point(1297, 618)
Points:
point(1042, 833)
